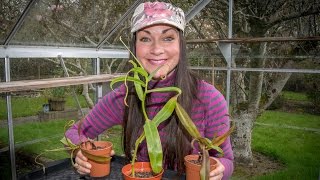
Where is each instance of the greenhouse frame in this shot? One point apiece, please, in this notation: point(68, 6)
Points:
point(254, 52)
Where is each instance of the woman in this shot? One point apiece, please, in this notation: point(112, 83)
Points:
point(158, 40)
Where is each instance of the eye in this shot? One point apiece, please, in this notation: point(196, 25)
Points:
point(144, 39)
point(168, 38)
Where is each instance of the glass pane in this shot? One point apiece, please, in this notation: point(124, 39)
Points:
point(10, 11)
point(39, 116)
point(278, 55)
point(69, 23)
point(211, 22)
point(275, 19)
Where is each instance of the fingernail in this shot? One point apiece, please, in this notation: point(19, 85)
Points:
point(88, 165)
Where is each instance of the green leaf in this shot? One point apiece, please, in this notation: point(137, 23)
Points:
point(166, 111)
point(67, 142)
point(153, 73)
point(205, 165)
point(220, 139)
point(133, 63)
point(130, 51)
point(217, 148)
point(138, 87)
point(154, 146)
point(166, 89)
point(124, 78)
point(187, 122)
point(140, 70)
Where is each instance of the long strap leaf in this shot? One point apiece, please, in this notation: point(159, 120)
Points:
point(154, 146)
point(166, 111)
point(205, 166)
point(123, 78)
point(219, 140)
point(186, 121)
point(165, 89)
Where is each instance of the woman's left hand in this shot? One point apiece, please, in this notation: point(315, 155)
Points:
point(217, 173)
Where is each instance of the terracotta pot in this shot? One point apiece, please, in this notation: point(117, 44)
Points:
point(98, 169)
point(193, 170)
point(139, 167)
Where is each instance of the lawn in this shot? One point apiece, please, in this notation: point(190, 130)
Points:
point(297, 149)
point(30, 106)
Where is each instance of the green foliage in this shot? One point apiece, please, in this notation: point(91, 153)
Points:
point(140, 78)
point(56, 92)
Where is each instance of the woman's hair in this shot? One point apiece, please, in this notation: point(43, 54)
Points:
point(177, 142)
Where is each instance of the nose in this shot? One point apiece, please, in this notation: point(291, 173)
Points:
point(157, 48)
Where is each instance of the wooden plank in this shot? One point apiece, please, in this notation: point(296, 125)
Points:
point(15, 86)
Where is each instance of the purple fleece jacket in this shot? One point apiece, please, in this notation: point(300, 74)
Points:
point(209, 113)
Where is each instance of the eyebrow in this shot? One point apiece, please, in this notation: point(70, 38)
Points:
point(163, 32)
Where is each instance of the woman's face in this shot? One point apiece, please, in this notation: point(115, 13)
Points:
point(156, 46)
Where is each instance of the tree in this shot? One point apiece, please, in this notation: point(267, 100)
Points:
point(254, 92)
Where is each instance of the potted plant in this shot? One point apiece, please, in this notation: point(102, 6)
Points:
point(150, 131)
point(199, 166)
point(97, 152)
point(56, 98)
point(140, 78)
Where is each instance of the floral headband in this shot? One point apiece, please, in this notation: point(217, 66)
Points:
point(151, 13)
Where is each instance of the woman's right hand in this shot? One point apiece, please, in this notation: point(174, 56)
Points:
point(81, 163)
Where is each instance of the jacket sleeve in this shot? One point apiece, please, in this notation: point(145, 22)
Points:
point(105, 114)
point(217, 124)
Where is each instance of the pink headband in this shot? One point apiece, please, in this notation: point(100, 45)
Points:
point(151, 13)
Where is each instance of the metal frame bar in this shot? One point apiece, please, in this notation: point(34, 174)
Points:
point(66, 52)
point(66, 74)
point(229, 61)
point(10, 123)
point(310, 71)
point(196, 9)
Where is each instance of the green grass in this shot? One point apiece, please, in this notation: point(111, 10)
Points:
point(30, 106)
point(51, 132)
point(290, 119)
point(295, 96)
point(297, 149)
point(114, 135)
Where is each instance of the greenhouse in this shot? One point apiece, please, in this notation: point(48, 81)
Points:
point(59, 58)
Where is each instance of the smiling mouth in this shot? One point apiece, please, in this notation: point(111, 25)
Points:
point(157, 61)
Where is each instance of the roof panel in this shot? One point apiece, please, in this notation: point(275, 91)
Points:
point(77, 23)
point(10, 11)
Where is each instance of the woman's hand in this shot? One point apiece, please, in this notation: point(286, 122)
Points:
point(81, 163)
point(217, 173)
